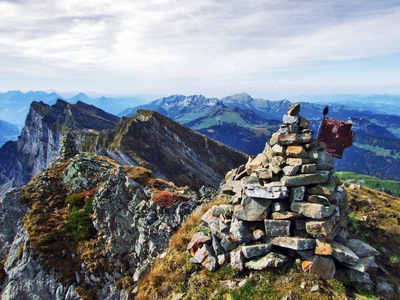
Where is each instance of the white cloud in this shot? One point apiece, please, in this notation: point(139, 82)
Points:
point(172, 41)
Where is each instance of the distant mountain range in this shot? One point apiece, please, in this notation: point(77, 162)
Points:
point(245, 123)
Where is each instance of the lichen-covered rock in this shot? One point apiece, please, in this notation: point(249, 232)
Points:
point(275, 228)
point(295, 243)
point(270, 260)
point(256, 250)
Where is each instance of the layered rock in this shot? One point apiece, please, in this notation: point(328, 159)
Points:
point(285, 199)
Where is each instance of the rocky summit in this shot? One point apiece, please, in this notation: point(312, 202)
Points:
point(283, 203)
point(86, 228)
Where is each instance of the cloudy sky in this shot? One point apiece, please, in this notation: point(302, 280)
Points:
point(268, 48)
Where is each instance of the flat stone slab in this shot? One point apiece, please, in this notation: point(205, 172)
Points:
point(271, 260)
point(312, 210)
point(294, 138)
point(296, 151)
point(360, 248)
point(256, 250)
point(285, 215)
point(305, 179)
point(267, 192)
point(344, 254)
point(275, 228)
point(295, 243)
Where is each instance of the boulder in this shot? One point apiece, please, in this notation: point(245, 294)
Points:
point(270, 260)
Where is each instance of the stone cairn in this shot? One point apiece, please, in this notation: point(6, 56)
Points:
point(68, 148)
point(284, 202)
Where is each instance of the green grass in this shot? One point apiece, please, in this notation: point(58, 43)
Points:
point(388, 186)
point(379, 151)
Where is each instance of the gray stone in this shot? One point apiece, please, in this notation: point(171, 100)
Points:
point(210, 263)
point(228, 244)
point(223, 259)
point(312, 210)
point(342, 235)
point(237, 259)
point(295, 243)
point(290, 170)
point(264, 173)
point(256, 250)
point(197, 242)
point(297, 193)
point(304, 123)
point(358, 277)
point(267, 192)
point(343, 254)
point(216, 244)
point(280, 206)
point(385, 290)
point(202, 253)
point(294, 138)
point(253, 209)
point(299, 224)
point(258, 234)
point(293, 128)
point(360, 248)
point(363, 264)
point(272, 259)
point(325, 161)
point(276, 228)
point(305, 179)
point(288, 120)
point(322, 266)
point(279, 150)
point(239, 231)
point(320, 229)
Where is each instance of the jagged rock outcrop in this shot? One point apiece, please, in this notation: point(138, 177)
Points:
point(171, 150)
point(40, 139)
point(282, 203)
point(90, 228)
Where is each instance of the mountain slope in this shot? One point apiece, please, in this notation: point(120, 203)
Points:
point(86, 228)
point(374, 218)
point(171, 150)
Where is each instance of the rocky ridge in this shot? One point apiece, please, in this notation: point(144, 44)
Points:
point(284, 203)
point(86, 228)
point(171, 150)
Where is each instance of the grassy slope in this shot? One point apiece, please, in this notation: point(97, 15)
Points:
point(376, 224)
point(389, 186)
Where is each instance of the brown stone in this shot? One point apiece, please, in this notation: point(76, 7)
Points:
point(296, 151)
point(319, 229)
point(318, 199)
point(294, 110)
point(294, 138)
point(256, 162)
point(285, 215)
point(295, 162)
point(308, 168)
point(323, 248)
point(275, 169)
point(304, 123)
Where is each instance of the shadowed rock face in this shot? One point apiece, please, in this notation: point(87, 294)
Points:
point(40, 139)
point(171, 150)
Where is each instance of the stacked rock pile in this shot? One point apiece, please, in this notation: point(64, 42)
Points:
point(284, 202)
